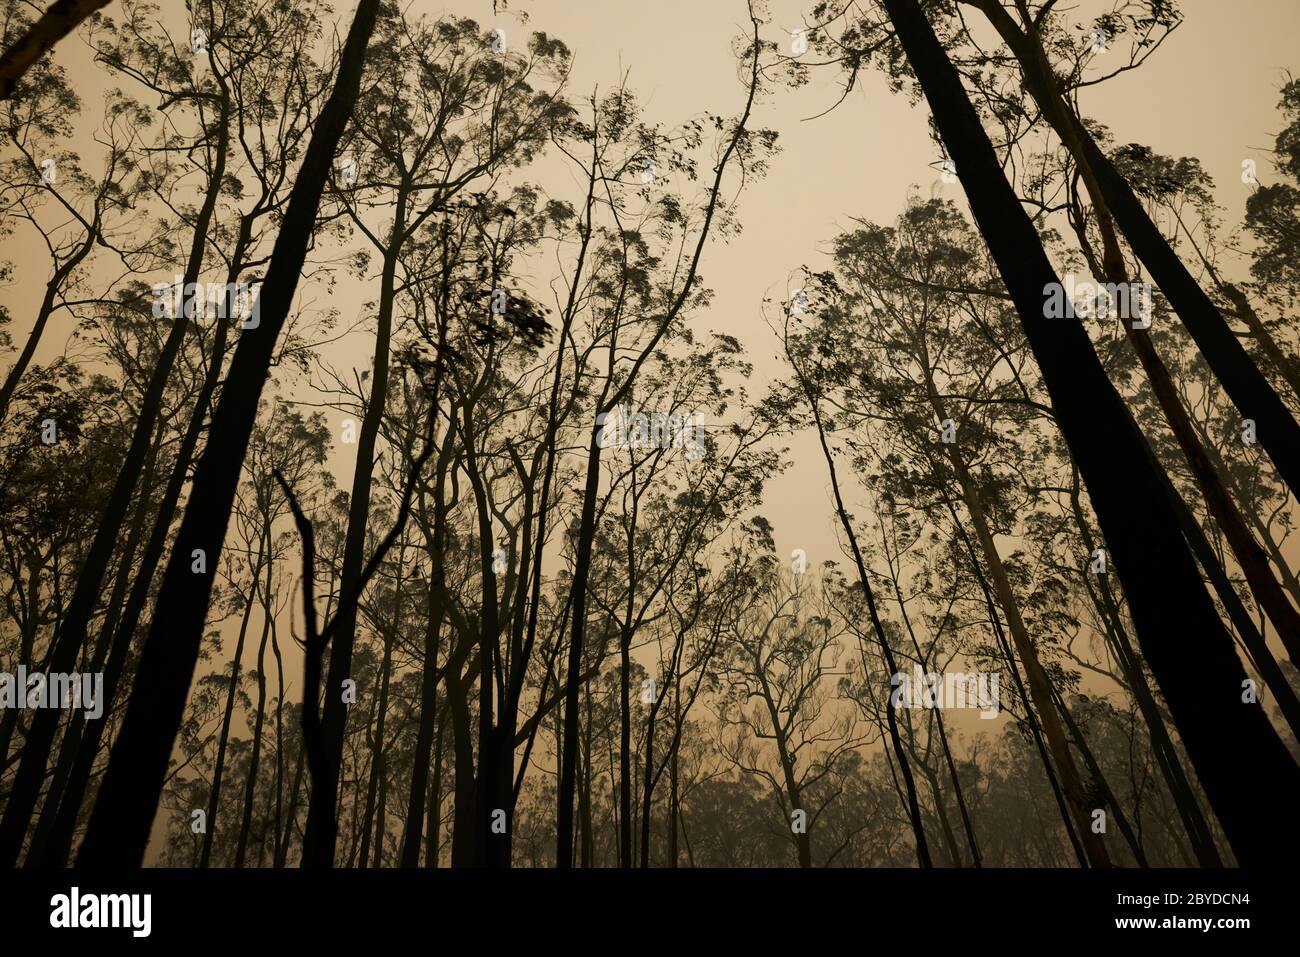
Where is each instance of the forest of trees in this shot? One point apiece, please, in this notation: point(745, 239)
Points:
point(376, 491)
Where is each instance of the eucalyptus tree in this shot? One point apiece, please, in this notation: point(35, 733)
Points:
point(296, 447)
point(779, 666)
point(650, 295)
point(684, 474)
point(442, 111)
point(909, 358)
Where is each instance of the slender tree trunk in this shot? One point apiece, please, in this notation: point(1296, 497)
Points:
point(433, 824)
point(282, 852)
point(941, 813)
point(254, 761)
point(494, 778)
point(214, 792)
point(279, 745)
point(385, 672)
point(969, 829)
point(625, 750)
point(1040, 685)
point(380, 827)
point(424, 739)
point(462, 827)
point(647, 797)
point(673, 808)
point(967, 826)
point(586, 839)
point(904, 766)
point(322, 823)
point(581, 572)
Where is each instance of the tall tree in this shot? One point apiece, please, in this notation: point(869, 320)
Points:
point(441, 113)
point(1204, 697)
point(119, 826)
point(747, 144)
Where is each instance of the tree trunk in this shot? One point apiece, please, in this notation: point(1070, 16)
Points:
point(462, 826)
point(385, 672)
point(214, 792)
point(322, 823)
point(586, 839)
point(259, 720)
point(1040, 685)
point(967, 826)
point(422, 757)
point(625, 750)
point(673, 809)
point(282, 852)
point(59, 19)
point(581, 572)
point(279, 746)
point(904, 766)
point(433, 822)
point(647, 796)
